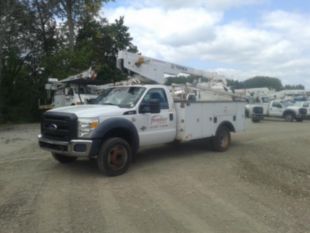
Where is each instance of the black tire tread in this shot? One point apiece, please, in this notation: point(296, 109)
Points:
point(216, 141)
point(102, 157)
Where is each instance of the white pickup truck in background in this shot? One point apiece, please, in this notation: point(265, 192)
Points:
point(132, 116)
point(304, 104)
point(276, 108)
point(286, 110)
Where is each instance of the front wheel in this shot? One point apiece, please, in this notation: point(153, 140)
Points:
point(64, 158)
point(289, 117)
point(114, 157)
point(221, 141)
point(299, 119)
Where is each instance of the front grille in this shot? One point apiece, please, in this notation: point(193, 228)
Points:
point(303, 111)
point(258, 110)
point(59, 126)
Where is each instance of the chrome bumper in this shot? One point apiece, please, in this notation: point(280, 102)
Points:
point(300, 116)
point(76, 148)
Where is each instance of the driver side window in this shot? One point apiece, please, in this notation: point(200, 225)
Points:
point(158, 94)
point(276, 105)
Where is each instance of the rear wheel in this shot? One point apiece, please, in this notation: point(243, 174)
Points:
point(64, 158)
point(221, 141)
point(114, 157)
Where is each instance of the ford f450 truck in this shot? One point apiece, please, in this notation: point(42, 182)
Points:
point(129, 117)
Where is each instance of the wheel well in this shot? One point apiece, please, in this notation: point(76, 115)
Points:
point(123, 133)
point(228, 125)
point(289, 112)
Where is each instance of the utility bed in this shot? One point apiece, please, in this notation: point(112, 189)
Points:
point(201, 119)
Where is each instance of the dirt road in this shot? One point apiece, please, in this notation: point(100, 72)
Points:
point(262, 184)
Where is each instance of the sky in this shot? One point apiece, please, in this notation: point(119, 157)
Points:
point(237, 38)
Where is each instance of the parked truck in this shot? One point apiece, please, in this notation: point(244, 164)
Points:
point(304, 104)
point(129, 117)
point(74, 90)
point(276, 108)
point(256, 109)
point(286, 110)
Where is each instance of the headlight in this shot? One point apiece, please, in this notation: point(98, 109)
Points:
point(87, 126)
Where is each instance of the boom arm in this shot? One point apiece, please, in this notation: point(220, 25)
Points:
point(156, 70)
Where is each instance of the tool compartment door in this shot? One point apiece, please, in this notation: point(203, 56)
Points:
point(190, 121)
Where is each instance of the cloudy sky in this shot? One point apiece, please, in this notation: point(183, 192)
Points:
point(240, 38)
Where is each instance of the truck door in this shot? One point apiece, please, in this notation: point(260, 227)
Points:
point(276, 109)
point(158, 127)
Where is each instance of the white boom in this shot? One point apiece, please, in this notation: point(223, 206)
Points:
point(157, 70)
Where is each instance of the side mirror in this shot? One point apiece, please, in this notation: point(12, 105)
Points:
point(152, 106)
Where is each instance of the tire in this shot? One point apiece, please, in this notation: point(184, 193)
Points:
point(299, 119)
point(221, 141)
point(114, 157)
point(255, 120)
point(289, 117)
point(64, 158)
point(247, 113)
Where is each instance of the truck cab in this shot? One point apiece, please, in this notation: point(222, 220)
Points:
point(72, 94)
point(139, 115)
point(304, 104)
point(257, 107)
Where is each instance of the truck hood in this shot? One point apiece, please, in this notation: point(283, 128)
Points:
point(292, 107)
point(85, 111)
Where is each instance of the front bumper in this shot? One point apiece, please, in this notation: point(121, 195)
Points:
point(76, 148)
point(300, 116)
point(257, 116)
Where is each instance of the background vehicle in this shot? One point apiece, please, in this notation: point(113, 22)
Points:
point(304, 104)
point(286, 110)
point(132, 116)
point(73, 90)
point(257, 107)
point(261, 107)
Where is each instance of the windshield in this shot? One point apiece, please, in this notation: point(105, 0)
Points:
point(124, 97)
point(265, 99)
point(287, 103)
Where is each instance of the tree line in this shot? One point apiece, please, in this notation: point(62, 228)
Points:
point(263, 81)
point(41, 39)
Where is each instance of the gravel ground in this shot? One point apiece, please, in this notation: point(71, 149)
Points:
point(262, 184)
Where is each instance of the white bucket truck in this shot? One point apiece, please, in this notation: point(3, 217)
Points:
point(74, 90)
point(129, 117)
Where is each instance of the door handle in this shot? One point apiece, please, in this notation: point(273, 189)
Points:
point(171, 116)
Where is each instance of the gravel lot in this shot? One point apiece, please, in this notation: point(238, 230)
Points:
point(262, 184)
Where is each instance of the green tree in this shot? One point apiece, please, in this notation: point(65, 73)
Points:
point(34, 47)
point(235, 84)
point(72, 11)
point(98, 43)
point(262, 81)
point(294, 87)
